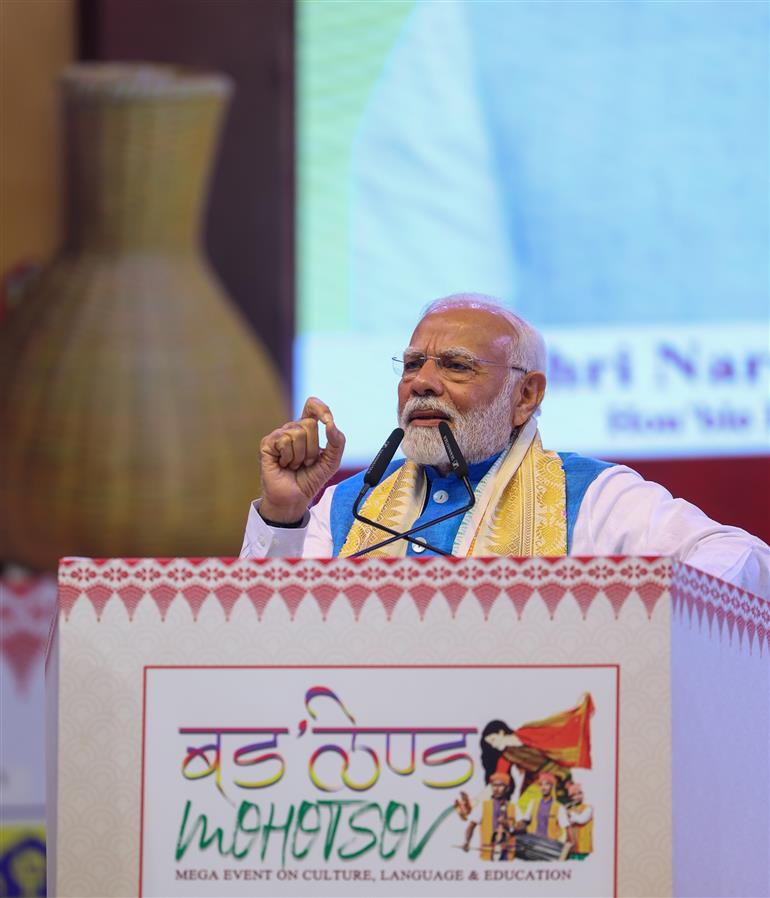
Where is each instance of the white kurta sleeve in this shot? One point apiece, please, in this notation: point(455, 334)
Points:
point(623, 514)
point(581, 817)
point(312, 540)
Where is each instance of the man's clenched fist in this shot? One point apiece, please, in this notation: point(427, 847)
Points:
point(294, 467)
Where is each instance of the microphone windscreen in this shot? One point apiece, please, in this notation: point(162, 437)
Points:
point(383, 458)
point(456, 458)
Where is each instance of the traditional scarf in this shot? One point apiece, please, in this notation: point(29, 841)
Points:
point(520, 506)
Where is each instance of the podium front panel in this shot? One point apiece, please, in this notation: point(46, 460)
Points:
point(241, 727)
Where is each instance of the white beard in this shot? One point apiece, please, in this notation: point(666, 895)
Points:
point(480, 433)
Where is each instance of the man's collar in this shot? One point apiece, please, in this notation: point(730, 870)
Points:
point(476, 471)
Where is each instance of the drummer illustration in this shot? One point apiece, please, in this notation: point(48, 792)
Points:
point(530, 808)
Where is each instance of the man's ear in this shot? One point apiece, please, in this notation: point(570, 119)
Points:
point(528, 396)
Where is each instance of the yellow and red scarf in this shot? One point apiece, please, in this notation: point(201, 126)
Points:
point(520, 506)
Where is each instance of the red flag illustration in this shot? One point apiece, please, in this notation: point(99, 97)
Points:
point(564, 737)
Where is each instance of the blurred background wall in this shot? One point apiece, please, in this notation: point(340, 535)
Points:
point(249, 227)
point(248, 236)
point(345, 52)
point(126, 415)
point(36, 41)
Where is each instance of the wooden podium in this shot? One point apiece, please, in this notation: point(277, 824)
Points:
point(282, 727)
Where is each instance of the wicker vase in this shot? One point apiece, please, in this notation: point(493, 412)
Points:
point(132, 395)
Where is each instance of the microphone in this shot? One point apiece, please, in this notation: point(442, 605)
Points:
point(456, 458)
point(372, 477)
point(383, 458)
point(377, 468)
point(460, 468)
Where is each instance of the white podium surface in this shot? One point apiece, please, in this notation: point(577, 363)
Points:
point(282, 727)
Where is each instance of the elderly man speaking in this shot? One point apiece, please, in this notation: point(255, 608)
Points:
point(478, 367)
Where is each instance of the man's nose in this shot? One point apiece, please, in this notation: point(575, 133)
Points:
point(428, 380)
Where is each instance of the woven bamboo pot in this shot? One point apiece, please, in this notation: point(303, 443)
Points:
point(132, 395)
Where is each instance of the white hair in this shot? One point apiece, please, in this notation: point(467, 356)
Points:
point(529, 351)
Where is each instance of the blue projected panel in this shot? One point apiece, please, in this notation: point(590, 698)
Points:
point(602, 168)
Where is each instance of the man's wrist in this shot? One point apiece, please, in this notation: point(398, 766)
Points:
point(289, 525)
point(277, 516)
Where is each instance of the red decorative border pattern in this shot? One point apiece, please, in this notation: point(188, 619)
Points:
point(387, 580)
point(27, 606)
point(194, 580)
point(423, 580)
point(709, 599)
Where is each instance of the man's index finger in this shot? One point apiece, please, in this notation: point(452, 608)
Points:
point(315, 408)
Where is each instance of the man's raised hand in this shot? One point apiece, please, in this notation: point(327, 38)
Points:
point(294, 467)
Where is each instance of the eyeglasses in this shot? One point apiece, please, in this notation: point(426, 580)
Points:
point(459, 367)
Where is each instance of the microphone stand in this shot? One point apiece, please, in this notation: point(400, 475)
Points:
point(377, 469)
point(408, 534)
point(396, 535)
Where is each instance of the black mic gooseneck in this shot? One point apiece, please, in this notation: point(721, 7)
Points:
point(377, 468)
point(456, 458)
point(383, 458)
point(458, 465)
point(372, 477)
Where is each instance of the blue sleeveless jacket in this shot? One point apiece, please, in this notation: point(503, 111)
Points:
point(447, 493)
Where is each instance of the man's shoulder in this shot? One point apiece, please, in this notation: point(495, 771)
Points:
point(580, 471)
point(574, 463)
